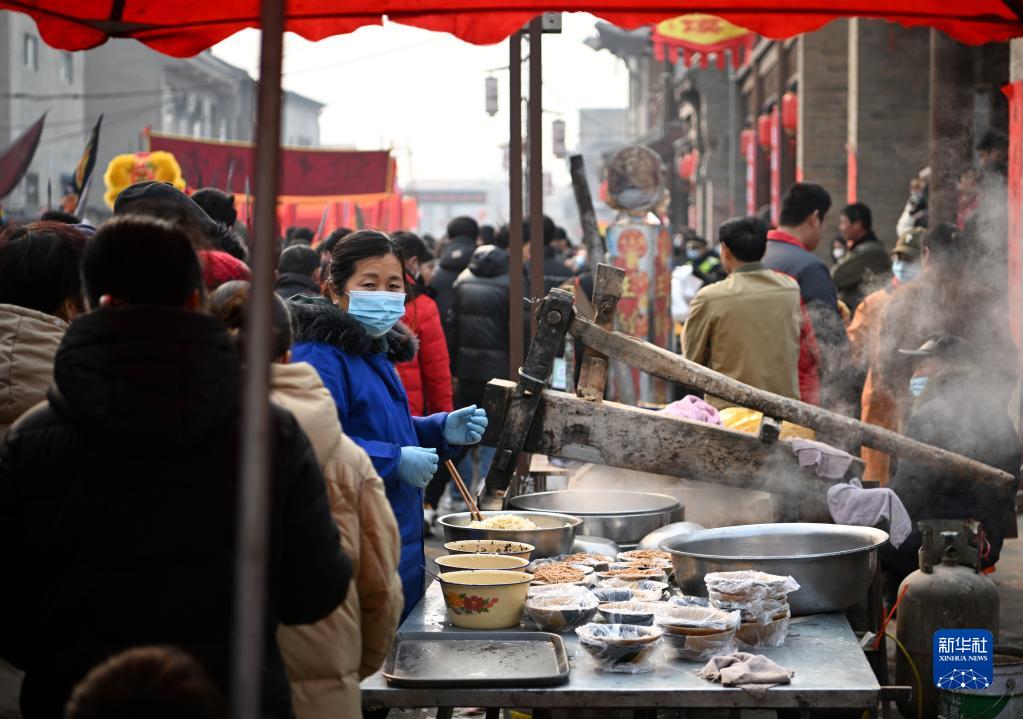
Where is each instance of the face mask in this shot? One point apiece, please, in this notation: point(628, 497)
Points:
point(905, 271)
point(378, 312)
point(693, 254)
point(838, 253)
point(916, 386)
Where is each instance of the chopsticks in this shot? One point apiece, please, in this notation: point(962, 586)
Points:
point(474, 511)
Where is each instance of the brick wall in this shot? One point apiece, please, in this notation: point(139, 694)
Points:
point(889, 115)
point(822, 59)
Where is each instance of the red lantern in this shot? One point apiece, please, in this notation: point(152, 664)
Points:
point(764, 131)
point(745, 141)
point(790, 112)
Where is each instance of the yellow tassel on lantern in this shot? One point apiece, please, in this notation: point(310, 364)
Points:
point(126, 170)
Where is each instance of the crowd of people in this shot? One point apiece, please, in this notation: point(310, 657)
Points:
point(915, 339)
point(121, 349)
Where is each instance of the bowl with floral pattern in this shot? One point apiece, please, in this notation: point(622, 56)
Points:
point(485, 598)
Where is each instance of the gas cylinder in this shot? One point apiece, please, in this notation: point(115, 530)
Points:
point(945, 595)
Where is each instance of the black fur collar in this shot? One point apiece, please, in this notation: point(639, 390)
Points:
point(318, 320)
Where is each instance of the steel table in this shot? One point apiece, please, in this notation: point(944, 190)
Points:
point(831, 672)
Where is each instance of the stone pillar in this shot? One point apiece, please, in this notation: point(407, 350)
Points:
point(822, 59)
point(888, 109)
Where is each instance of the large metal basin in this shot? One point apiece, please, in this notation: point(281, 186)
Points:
point(833, 563)
point(622, 517)
point(555, 535)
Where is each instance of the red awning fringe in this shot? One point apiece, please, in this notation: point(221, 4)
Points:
point(186, 29)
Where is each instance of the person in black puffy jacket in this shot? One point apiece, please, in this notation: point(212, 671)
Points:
point(118, 496)
point(463, 234)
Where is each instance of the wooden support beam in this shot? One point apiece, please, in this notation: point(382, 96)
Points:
point(592, 240)
point(607, 290)
point(552, 323)
point(667, 365)
point(619, 435)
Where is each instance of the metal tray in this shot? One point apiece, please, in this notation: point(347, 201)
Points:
point(477, 659)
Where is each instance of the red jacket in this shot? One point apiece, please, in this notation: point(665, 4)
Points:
point(427, 376)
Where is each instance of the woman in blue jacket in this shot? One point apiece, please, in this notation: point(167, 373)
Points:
point(352, 337)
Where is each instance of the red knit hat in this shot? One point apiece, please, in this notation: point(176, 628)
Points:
point(219, 267)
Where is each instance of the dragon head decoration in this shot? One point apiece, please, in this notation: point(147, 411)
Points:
point(126, 170)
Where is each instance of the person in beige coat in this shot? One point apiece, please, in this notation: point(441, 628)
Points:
point(40, 292)
point(327, 660)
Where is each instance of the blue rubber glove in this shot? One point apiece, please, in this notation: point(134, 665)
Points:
point(417, 465)
point(466, 425)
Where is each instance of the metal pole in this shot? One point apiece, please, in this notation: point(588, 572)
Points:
point(515, 293)
point(254, 482)
point(535, 133)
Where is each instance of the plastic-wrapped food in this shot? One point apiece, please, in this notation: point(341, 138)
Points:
point(558, 611)
point(625, 648)
point(685, 600)
point(751, 635)
point(560, 573)
point(695, 621)
point(762, 611)
point(612, 594)
point(698, 648)
point(644, 590)
point(748, 585)
point(641, 613)
point(599, 562)
point(541, 590)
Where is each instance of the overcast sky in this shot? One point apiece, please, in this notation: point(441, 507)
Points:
point(422, 93)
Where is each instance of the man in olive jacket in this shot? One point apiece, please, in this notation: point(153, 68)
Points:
point(747, 326)
point(118, 496)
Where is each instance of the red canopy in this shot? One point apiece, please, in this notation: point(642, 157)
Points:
point(184, 27)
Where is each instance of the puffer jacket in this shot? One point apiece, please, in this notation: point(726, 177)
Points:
point(326, 660)
point(479, 317)
point(453, 261)
point(427, 376)
point(359, 373)
point(28, 342)
point(118, 510)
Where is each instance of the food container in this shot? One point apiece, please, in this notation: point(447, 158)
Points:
point(625, 648)
point(550, 572)
point(641, 613)
point(686, 600)
point(613, 594)
point(751, 635)
point(695, 634)
point(490, 546)
point(458, 562)
point(622, 517)
point(644, 590)
point(833, 564)
point(646, 558)
point(634, 574)
point(561, 610)
point(485, 599)
point(555, 534)
point(654, 539)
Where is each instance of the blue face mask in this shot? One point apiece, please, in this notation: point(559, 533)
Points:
point(916, 386)
point(693, 254)
point(378, 312)
point(905, 271)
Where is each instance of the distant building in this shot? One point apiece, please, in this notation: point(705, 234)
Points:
point(134, 88)
point(440, 201)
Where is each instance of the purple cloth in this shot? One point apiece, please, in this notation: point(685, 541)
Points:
point(692, 407)
point(852, 504)
point(827, 461)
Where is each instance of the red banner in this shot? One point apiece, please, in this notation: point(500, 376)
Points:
point(305, 172)
point(1014, 91)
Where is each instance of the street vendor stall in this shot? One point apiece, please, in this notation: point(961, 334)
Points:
point(830, 673)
